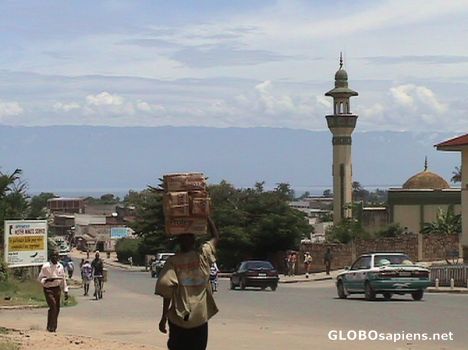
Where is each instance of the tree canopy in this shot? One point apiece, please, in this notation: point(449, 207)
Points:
point(253, 223)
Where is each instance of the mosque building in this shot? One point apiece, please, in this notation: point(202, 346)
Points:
point(420, 199)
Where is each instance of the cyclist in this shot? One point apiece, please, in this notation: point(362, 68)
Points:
point(98, 275)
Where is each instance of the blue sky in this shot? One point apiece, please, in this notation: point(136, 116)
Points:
point(233, 63)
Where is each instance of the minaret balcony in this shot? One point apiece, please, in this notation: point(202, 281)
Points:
point(341, 121)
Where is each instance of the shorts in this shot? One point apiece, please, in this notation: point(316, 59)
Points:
point(187, 338)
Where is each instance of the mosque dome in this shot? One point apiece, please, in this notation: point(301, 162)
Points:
point(426, 180)
point(341, 74)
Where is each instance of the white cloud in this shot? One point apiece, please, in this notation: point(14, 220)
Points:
point(148, 107)
point(66, 107)
point(9, 109)
point(104, 99)
point(418, 98)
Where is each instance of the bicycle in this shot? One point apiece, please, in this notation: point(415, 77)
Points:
point(98, 283)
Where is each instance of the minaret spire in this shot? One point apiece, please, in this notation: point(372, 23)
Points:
point(341, 60)
point(425, 163)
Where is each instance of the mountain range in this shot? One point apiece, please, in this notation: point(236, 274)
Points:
point(99, 159)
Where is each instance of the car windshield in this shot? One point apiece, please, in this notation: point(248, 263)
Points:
point(385, 260)
point(257, 265)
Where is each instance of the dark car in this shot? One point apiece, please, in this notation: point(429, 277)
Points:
point(255, 273)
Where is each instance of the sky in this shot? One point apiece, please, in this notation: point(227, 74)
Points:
point(220, 63)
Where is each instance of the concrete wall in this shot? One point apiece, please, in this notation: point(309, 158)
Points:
point(408, 216)
point(418, 247)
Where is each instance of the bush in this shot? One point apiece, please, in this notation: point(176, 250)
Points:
point(129, 247)
point(3, 269)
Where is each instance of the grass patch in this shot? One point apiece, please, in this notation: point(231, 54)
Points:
point(7, 345)
point(30, 292)
point(14, 292)
point(4, 330)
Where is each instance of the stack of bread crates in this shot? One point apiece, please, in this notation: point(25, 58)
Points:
point(187, 204)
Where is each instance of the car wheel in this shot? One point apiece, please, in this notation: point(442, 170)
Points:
point(232, 285)
point(273, 287)
point(341, 291)
point(418, 295)
point(263, 287)
point(369, 292)
point(387, 296)
point(242, 284)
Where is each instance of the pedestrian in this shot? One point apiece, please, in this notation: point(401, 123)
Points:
point(98, 273)
point(53, 280)
point(82, 263)
point(327, 260)
point(188, 299)
point(130, 261)
point(307, 263)
point(86, 276)
point(292, 264)
point(214, 277)
point(87, 252)
point(286, 263)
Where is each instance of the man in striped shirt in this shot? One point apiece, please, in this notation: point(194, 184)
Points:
point(53, 279)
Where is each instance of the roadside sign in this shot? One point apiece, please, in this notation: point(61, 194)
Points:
point(119, 232)
point(25, 242)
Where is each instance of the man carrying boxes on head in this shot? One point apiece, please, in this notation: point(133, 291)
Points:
point(184, 280)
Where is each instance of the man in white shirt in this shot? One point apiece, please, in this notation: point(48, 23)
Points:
point(53, 279)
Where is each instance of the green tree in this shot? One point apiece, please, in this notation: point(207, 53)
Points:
point(359, 193)
point(446, 223)
point(327, 193)
point(13, 198)
point(456, 175)
point(38, 205)
point(305, 195)
point(254, 223)
point(392, 230)
point(149, 223)
point(346, 231)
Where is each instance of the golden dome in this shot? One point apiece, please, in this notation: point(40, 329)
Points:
point(426, 180)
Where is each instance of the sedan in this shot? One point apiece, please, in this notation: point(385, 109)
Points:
point(255, 273)
point(383, 273)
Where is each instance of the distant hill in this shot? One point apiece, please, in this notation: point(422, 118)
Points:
point(105, 159)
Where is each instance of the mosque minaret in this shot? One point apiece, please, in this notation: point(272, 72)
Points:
point(342, 123)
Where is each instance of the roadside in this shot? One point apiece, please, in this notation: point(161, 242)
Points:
point(109, 261)
point(11, 339)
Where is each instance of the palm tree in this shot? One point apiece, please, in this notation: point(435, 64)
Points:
point(456, 175)
point(13, 198)
point(446, 223)
point(8, 182)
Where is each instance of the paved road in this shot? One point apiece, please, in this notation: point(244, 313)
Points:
point(296, 316)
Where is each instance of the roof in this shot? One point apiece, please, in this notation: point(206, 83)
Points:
point(454, 144)
point(426, 180)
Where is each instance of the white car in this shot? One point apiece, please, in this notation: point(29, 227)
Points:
point(383, 273)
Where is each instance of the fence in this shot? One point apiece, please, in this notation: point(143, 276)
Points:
point(459, 273)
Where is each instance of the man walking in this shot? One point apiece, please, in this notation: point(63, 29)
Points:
point(188, 299)
point(97, 266)
point(53, 279)
point(86, 276)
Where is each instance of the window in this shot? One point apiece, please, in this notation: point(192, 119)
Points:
point(362, 263)
point(383, 260)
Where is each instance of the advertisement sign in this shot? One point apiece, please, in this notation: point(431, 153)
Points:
point(25, 242)
point(119, 232)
